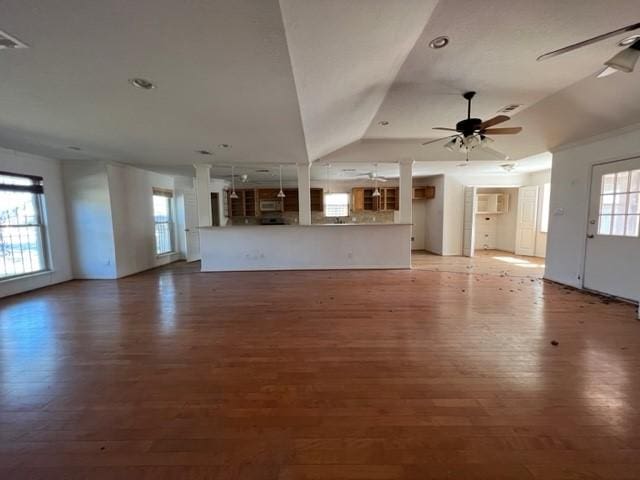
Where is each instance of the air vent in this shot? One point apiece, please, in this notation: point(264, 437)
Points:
point(509, 108)
point(8, 42)
point(348, 169)
point(262, 171)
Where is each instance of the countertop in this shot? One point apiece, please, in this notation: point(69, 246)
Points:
point(313, 225)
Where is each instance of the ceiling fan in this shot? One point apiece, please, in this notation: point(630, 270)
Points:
point(472, 132)
point(372, 176)
point(624, 61)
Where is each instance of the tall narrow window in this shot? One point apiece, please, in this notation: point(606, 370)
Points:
point(619, 213)
point(336, 205)
point(163, 218)
point(546, 200)
point(22, 231)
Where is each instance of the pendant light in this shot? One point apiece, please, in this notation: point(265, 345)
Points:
point(376, 192)
point(233, 195)
point(281, 193)
point(328, 178)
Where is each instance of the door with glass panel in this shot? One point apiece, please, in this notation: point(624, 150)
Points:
point(612, 263)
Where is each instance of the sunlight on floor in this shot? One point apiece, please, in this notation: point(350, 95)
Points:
point(521, 262)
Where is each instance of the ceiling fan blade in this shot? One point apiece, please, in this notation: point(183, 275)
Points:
point(584, 43)
point(502, 131)
point(438, 139)
point(493, 121)
point(445, 129)
point(381, 179)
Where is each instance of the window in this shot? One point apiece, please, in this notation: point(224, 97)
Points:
point(546, 200)
point(163, 218)
point(336, 205)
point(619, 213)
point(22, 232)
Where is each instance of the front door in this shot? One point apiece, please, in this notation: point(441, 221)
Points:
point(612, 262)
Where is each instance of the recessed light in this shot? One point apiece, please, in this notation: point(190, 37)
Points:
point(439, 42)
point(224, 145)
point(625, 42)
point(383, 123)
point(73, 147)
point(204, 152)
point(142, 83)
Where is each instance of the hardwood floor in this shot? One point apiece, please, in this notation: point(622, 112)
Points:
point(318, 375)
point(485, 262)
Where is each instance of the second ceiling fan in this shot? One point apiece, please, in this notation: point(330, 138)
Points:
point(472, 132)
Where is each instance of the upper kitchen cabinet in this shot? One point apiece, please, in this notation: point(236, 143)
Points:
point(290, 201)
point(424, 193)
point(487, 203)
point(317, 200)
point(244, 205)
point(362, 199)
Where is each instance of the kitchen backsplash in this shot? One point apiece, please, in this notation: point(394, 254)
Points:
point(318, 217)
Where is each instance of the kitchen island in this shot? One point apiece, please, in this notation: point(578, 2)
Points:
point(306, 247)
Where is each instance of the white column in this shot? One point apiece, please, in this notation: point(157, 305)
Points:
point(304, 193)
point(203, 194)
point(406, 191)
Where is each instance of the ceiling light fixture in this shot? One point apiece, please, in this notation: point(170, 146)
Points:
point(383, 123)
point(376, 192)
point(625, 42)
point(224, 145)
point(281, 193)
point(233, 195)
point(439, 42)
point(73, 147)
point(625, 60)
point(508, 167)
point(142, 83)
point(204, 152)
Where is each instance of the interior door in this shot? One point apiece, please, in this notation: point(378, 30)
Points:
point(527, 221)
point(468, 229)
point(191, 226)
point(612, 260)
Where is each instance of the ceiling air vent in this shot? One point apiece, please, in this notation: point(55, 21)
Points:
point(7, 42)
point(510, 108)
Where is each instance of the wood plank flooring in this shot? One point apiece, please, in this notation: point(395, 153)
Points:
point(485, 262)
point(349, 375)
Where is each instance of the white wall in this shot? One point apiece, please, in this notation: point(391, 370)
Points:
point(90, 224)
point(304, 247)
point(55, 218)
point(131, 192)
point(570, 184)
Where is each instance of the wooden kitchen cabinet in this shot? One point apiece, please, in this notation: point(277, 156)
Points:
point(317, 200)
point(290, 201)
point(357, 199)
point(424, 193)
point(362, 199)
point(244, 205)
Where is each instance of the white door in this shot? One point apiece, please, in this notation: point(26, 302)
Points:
point(526, 222)
point(191, 226)
point(468, 229)
point(612, 261)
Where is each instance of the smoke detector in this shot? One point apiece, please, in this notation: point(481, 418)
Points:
point(7, 42)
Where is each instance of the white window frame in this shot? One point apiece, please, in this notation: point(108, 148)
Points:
point(33, 185)
point(170, 223)
point(330, 207)
point(623, 191)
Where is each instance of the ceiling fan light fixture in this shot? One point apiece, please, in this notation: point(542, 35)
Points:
point(625, 42)
point(625, 60)
point(452, 145)
point(376, 193)
point(607, 71)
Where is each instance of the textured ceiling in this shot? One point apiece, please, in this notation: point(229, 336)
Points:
point(303, 80)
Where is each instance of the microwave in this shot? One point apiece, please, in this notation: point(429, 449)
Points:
point(270, 205)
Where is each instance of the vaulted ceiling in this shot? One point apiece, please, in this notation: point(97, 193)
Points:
point(302, 80)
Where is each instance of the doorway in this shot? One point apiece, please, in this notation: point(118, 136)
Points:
point(215, 210)
point(612, 261)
